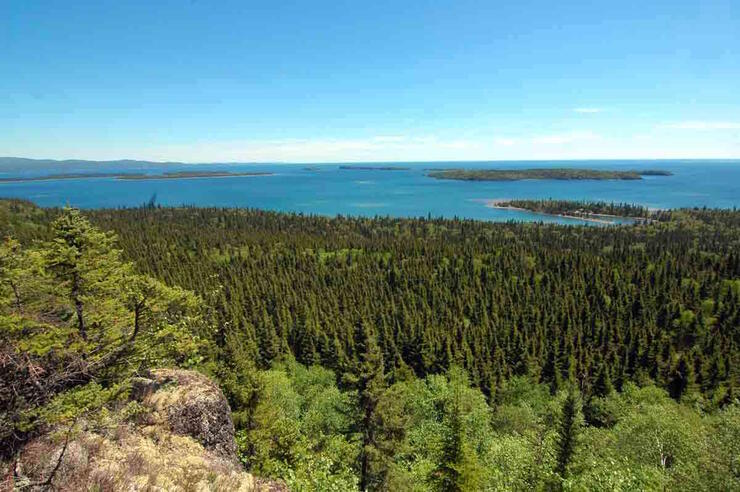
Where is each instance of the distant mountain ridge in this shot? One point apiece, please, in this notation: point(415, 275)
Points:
point(14, 164)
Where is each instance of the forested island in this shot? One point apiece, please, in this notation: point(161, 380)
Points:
point(598, 211)
point(135, 176)
point(387, 354)
point(542, 173)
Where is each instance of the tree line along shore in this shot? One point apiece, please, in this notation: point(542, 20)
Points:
point(542, 174)
point(596, 211)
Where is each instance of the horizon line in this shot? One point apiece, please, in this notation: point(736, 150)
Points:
point(432, 161)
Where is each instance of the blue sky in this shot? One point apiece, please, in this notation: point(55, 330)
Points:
point(297, 81)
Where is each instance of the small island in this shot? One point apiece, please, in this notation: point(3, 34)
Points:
point(599, 211)
point(542, 174)
point(135, 176)
point(373, 168)
point(655, 172)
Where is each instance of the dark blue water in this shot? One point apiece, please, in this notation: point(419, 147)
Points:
point(328, 190)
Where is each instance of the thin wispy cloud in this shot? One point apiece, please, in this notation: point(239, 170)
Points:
point(581, 144)
point(369, 149)
point(587, 110)
point(703, 125)
point(378, 148)
point(552, 139)
point(389, 138)
point(506, 142)
point(565, 138)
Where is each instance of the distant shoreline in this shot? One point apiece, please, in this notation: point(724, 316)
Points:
point(373, 168)
point(495, 203)
point(563, 174)
point(136, 177)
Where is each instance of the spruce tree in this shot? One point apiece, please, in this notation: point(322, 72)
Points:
point(370, 383)
point(458, 468)
point(569, 426)
point(447, 475)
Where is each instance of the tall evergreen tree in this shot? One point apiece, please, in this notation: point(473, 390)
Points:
point(370, 382)
point(571, 419)
point(458, 469)
point(448, 475)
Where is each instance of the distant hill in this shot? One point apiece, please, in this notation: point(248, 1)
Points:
point(21, 164)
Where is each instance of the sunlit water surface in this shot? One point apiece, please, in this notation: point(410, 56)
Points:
point(327, 189)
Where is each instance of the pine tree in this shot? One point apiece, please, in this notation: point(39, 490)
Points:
point(458, 468)
point(683, 380)
point(447, 475)
point(603, 385)
point(370, 382)
point(571, 420)
point(85, 265)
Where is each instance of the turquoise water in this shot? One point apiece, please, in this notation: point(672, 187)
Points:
point(328, 190)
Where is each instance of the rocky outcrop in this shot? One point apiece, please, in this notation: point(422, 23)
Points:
point(175, 434)
point(189, 404)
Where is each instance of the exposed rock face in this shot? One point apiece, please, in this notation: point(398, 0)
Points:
point(180, 438)
point(190, 404)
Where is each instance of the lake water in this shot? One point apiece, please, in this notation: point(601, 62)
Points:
point(328, 190)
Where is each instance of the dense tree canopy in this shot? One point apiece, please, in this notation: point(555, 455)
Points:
point(405, 354)
point(596, 306)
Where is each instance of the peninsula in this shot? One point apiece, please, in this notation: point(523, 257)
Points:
point(542, 174)
point(599, 211)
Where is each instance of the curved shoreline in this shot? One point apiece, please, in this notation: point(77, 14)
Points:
point(495, 203)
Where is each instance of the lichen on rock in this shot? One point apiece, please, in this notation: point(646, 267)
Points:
point(180, 438)
point(190, 404)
